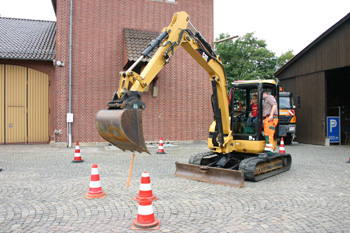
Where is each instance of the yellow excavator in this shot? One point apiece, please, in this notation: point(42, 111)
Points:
point(234, 141)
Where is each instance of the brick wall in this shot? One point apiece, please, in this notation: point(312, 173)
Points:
point(182, 110)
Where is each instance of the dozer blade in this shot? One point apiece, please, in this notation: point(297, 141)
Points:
point(210, 174)
point(122, 128)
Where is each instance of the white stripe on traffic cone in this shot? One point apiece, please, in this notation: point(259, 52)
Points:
point(77, 156)
point(160, 147)
point(95, 189)
point(282, 150)
point(145, 217)
point(145, 191)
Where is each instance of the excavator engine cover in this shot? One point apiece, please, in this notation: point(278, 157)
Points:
point(210, 174)
point(122, 128)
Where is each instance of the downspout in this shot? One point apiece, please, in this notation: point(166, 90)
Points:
point(70, 75)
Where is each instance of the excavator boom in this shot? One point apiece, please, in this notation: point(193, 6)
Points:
point(121, 123)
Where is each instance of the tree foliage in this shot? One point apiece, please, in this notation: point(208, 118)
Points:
point(285, 57)
point(247, 58)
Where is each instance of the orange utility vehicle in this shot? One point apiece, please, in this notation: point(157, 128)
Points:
point(287, 118)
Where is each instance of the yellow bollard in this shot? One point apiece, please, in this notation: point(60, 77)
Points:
point(132, 163)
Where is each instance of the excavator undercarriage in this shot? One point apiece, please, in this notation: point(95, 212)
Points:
point(232, 169)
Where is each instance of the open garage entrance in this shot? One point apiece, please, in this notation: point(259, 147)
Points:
point(338, 99)
point(24, 105)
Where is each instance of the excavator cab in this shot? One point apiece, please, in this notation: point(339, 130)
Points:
point(246, 108)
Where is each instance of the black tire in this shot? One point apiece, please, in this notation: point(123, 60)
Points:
point(288, 140)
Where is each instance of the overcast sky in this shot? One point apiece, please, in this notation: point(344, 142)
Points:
point(284, 25)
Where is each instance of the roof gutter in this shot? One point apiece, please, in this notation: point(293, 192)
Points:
point(27, 59)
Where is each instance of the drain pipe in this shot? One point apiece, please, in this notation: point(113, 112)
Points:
point(70, 114)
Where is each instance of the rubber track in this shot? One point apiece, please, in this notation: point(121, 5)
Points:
point(197, 159)
point(248, 167)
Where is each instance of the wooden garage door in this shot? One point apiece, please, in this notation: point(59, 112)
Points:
point(25, 108)
point(38, 106)
point(2, 103)
point(15, 104)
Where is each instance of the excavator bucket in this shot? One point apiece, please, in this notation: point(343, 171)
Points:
point(210, 174)
point(122, 128)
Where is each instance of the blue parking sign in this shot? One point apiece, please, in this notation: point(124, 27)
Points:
point(333, 129)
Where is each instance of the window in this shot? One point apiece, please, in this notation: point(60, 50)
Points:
point(286, 102)
point(245, 115)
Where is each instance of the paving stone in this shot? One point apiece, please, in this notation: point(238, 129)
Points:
point(43, 191)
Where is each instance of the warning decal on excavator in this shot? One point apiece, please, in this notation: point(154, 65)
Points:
point(204, 55)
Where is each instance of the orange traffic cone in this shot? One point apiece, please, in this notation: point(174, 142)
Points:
point(77, 156)
point(145, 188)
point(95, 189)
point(145, 217)
point(282, 146)
point(160, 147)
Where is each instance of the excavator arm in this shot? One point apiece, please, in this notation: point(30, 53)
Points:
point(121, 123)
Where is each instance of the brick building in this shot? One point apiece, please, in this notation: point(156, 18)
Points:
point(27, 51)
point(181, 110)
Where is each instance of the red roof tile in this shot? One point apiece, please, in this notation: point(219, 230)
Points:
point(136, 42)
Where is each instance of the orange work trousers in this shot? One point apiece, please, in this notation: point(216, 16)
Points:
point(269, 132)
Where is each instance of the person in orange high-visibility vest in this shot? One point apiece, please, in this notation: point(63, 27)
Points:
point(270, 123)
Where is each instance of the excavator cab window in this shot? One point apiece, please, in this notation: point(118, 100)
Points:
point(245, 114)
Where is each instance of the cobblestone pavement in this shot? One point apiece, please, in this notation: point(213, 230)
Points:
point(41, 190)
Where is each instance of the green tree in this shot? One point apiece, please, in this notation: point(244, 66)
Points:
point(285, 57)
point(245, 59)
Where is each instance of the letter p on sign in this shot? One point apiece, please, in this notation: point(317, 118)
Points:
point(333, 124)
